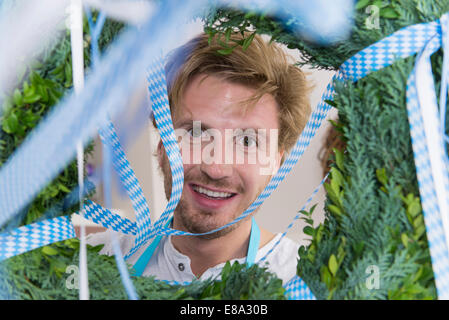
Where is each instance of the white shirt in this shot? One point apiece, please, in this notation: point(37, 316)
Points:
point(167, 263)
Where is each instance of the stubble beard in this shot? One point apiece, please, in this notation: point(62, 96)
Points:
point(194, 220)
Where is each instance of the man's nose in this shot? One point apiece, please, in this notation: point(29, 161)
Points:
point(216, 171)
point(214, 162)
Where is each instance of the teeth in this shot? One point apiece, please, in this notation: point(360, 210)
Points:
point(212, 193)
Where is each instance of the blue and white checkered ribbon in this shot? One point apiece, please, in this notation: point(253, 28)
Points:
point(34, 236)
point(108, 219)
point(431, 159)
point(297, 289)
point(130, 182)
point(401, 44)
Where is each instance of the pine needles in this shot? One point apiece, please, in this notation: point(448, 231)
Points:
point(50, 273)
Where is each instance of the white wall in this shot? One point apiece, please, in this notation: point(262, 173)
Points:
point(277, 211)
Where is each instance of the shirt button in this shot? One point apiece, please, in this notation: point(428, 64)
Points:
point(181, 267)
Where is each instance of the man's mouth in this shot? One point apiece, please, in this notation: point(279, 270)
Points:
point(212, 194)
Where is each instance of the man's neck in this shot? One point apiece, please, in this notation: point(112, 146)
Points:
point(207, 253)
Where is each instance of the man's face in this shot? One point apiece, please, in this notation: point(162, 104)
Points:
point(224, 153)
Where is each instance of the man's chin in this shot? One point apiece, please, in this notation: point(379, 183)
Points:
point(214, 235)
point(201, 227)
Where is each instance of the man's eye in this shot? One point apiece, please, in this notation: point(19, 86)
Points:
point(197, 133)
point(247, 141)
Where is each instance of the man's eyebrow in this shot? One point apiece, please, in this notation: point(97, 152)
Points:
point(189, 122)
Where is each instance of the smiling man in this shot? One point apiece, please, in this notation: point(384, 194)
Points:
point(236, 116)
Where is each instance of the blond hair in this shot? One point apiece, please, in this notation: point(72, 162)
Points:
point(262, 66)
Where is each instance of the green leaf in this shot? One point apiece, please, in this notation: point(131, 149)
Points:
point(209, 39)
point(419, 232)
point(339, 159)
point(17, 98)
point(53, 97)
point(382, 176)
point(68, 75)
point(414, 209)
point(309, 230)
point(418, 274)
point(228, 34)
point(239, 42)
point(26, 87)
point(28, 91)
point(58, 267)
point(358, 247)
point(226, 271)
point(404, 239)
point(362, 4)
point(63, 188)
point(306, 213)
point(408, 199)
point(43, 93)
point(335, 192)
point(418, 222)
point(49, 251)
point(332, 195)
point(331, 103)
point(248, 41)
point(11, 123)
point(36, 79)
point(388, 13)
point(308, 221)
point(37, 257)
point(319, 233)
point(225, 51)
point(221, 43)
point(341, 252)
point(29, 119)
point(333, 265)
point(335, 186)
point(326, 276)
point(337, 177)
point(250, 14)
point(378, 3)
point(312, 209)
point(335, 210)
point(31, 98)
point(74, 243)
point(311, 252)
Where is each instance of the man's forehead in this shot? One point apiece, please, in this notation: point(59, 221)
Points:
point(209, 110)
point(210, 118)
point(216, 101)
